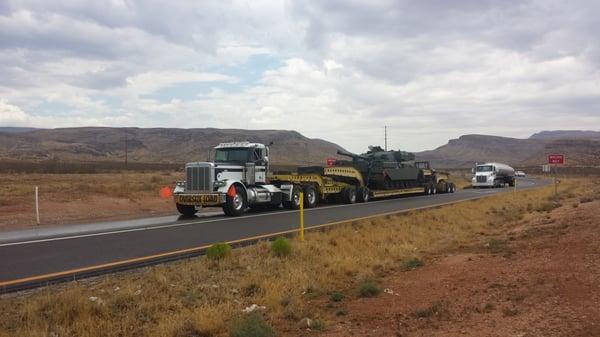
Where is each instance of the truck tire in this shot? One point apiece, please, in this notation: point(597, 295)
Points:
point(448, 187)
point(452, 188)
point(362, 194)
point(349, 194)
point(295, 202)
point(186, 210)
point(235, 205)
point(310, 197)
point(433, 188)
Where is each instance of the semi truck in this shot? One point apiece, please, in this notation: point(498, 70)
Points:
point(493, 175)
point(239, 179)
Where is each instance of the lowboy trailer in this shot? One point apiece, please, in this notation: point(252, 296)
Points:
point(238, 179)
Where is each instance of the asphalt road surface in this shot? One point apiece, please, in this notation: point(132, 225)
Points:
point(35, 262)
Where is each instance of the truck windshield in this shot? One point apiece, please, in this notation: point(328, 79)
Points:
point(485, 168)
point(231, 155)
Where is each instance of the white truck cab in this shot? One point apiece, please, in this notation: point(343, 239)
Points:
point(235, 180)
point(493, 175)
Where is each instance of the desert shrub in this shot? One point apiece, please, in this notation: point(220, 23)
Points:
point(218, 251)
point(251, 325)
point(251, 289)
point(547, 206)
point(317, 324)
point(368, 288)
point(413, 263)
point(187, 329)
point(341, 312)
point(281, 247)
point(436, 308)
point(336, 296)
point(507, 312)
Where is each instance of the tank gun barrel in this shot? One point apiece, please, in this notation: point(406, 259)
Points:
point(351, 155)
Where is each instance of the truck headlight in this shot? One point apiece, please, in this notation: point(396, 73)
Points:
point(220, 183)
point(179, 188)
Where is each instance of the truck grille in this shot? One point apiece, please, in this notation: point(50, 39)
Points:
point(199, 177)
point(481, 179)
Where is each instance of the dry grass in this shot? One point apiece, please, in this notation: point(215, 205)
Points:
point(67, 187)
point(77, 194)
point(200, 297)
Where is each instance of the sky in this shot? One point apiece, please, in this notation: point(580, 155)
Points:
point(338, 70)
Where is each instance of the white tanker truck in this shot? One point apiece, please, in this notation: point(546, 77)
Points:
point(493, 175)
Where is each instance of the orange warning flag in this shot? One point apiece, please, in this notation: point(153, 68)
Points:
point(165, 192)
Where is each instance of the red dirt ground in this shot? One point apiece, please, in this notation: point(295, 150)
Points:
point(542, 279)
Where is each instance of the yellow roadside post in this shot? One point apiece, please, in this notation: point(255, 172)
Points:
point(301, 216)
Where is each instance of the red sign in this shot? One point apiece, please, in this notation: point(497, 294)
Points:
point(556, 159)
point(331, 161)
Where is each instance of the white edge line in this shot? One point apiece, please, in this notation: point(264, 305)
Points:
point(146, 228)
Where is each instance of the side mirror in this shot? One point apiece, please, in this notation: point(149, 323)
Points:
point(472, 170)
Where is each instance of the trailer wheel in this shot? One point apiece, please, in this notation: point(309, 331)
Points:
point(451, 188)
point(235, 205)
point(363, 194)
point(310, 197)
point(186, 210)
point(349, 194)
point(295, 202)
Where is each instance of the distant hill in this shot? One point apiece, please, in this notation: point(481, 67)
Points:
point(170, 145)
point(155, 145)
point(469, 149)
point(566, 134)
point(15, 129)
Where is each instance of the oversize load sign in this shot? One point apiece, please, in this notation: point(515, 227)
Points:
point(556, 159)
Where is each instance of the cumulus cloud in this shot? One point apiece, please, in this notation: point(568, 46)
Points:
point(338, 70)
point(11, 115)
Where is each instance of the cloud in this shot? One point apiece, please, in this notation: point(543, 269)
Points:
point(150, 82)
point(338, 70)
point(11, 115)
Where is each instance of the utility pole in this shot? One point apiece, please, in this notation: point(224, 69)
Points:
point(385, 136)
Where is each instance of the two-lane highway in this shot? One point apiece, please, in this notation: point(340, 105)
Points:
point(32, 262)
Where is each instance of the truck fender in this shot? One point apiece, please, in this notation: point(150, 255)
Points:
point(223, 189)
point(286, 191)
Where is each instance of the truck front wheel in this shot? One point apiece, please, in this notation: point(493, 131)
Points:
point(235, 204)
point(186, 210)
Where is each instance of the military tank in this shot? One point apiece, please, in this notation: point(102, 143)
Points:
point(387, 170)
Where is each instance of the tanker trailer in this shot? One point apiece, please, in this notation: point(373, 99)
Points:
point(493, 175)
